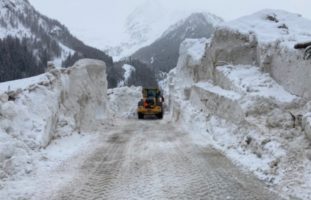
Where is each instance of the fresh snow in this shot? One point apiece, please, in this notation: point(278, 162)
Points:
point(298, 28)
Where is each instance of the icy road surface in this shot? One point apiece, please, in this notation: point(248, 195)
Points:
point(150, 159)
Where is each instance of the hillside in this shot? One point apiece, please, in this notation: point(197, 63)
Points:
point(146, 24)
point(29, 40)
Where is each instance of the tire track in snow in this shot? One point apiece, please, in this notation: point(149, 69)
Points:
point(151, 160)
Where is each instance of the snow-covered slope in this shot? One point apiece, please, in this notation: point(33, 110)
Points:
point(146, 24)
point(15, 20)
point(45, 38)
point(245, 91)
point(162, 54)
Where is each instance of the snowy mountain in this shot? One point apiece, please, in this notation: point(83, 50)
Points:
point(145, 25)
point(23, 28)
point(164, 52)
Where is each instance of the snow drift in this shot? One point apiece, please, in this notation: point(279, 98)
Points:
point(36, 110)
point(245, 90)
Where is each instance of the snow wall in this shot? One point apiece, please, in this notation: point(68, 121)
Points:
point(55, 104)
point(245, 91)
point(265, 39)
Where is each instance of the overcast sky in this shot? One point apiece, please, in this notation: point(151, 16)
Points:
point(87, 18)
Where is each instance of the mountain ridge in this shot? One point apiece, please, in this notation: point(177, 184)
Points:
point(163, 54)
point(46, 38)
point(146, 24)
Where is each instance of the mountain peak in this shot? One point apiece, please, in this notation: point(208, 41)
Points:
point(148, 22)
point(163, 54)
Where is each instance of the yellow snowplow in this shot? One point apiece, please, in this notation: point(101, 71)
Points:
point(151, 104)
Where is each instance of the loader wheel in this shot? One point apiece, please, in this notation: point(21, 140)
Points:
point(160, 116)
point(140, 116)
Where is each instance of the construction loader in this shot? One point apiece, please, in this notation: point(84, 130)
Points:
point(151, 103)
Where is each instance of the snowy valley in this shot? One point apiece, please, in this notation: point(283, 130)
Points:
point(237, 103)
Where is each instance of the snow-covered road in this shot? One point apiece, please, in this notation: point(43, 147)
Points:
point(151, 159)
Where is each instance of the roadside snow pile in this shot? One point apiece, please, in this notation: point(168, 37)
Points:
point(189, 63)
point(128, 70)
point(55, 104)
point(122, 102)
point(22, 84)
point(266, 39)
point(246, 96)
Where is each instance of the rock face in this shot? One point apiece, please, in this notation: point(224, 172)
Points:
point(66, 101)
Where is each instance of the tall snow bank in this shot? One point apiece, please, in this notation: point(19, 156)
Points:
point(189, 68)
point(243, 97)
point(84, 95)
point(265, 39)
point(55, 104)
